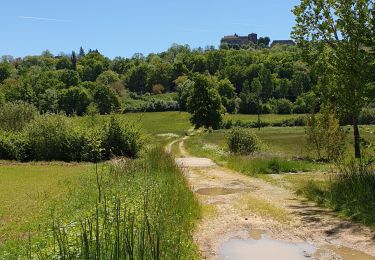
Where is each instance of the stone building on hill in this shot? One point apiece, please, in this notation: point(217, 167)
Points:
point(240, 40)
point(252, 38)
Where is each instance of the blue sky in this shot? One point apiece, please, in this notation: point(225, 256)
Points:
point(122, 28)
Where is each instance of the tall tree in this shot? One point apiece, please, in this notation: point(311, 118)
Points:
point(81, 52)
point(227, 93)
point(334, 36)
point(73, 59)
point(266, 82)
point(204, 103)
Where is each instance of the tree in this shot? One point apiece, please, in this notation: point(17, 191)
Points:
point(106, 99)
point(108, 77)
point(73, 59)
point(228, 95)
point(81, 52)
point(93, 64)
point(265, 41)
point(64, 63)
point(256, 88)
point(5, 71)
point(333, 36)
point(160, 72)
point(183, 92)
point(136, 79)
point(74, 100)
point(204, 103)
point(49, 101)
point(69, 77)
point(265, 79)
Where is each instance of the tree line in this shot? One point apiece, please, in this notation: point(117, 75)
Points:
point(249, 80)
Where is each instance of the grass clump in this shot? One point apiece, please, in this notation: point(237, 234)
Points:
point(254, 166)
point(350, 192)
point(243, 141)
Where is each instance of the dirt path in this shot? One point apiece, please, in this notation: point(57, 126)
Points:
point(236, 206)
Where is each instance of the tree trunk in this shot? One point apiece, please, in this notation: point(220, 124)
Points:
point(357, 148)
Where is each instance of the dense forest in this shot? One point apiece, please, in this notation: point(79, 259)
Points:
point(248, 80)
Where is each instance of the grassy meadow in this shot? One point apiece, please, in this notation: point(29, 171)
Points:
point(42, 201)
point(27, 192)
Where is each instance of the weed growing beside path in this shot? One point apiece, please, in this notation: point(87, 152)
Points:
point(350, 192)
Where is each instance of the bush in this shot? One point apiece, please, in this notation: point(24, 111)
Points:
point(243, 141)
point(298, 121)
point(49, 138)
point(325, 136)
point(54, 137)
point(282, 106)
point(157, 105)
point(367, 116)
point(6, 147)
point(14, 116)
point(122, 139)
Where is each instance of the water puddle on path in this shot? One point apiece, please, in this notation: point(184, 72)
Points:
point(259, 246)
point(216, 191)
point(262, 247)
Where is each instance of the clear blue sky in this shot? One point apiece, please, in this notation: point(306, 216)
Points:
point(124, 27)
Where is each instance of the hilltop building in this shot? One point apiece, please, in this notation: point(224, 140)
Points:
point(240, 40)
point(252, 38)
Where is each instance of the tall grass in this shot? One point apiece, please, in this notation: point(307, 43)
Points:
point(144, 210)
point(351, 192)
point(254, 166)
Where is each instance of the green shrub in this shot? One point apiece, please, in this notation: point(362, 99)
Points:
point(49, 138)
point(282, 106)
point(14, 146)
point(6, 147)
point(122, 139)
point(367, 116)
point(243, 141)
point(54, 137)
point(324, 136)
point(15, 115)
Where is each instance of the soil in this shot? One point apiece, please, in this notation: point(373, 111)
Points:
point(231, 218)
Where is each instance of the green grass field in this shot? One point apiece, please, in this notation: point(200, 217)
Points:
point(269, 118)
point(26, 191)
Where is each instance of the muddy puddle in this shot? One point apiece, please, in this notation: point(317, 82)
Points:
point(216, 191)
point(265, 248)
point(260, 246)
